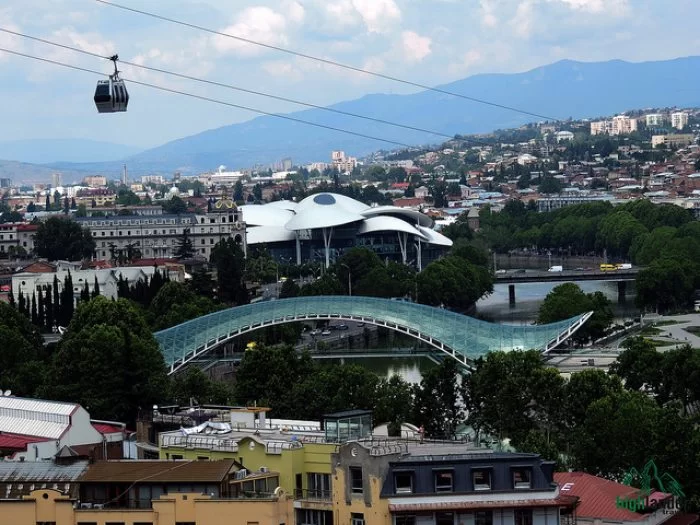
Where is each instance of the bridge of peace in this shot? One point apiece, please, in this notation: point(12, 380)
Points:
point(460, 337)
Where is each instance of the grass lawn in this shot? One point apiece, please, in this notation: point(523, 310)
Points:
point(666, 323)
point(695, 330)
point(649, 330)
point(658, 343)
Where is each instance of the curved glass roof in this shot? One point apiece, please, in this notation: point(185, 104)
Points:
point(464, 338)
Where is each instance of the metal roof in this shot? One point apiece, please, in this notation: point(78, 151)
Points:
point(159, 471)
point(36, 405)
point(597, 496)
point(390, 224)
point(34, 417)
point(44, 471)
point(560, 501)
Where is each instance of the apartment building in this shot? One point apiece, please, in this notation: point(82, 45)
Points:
point(679, 120)
point(17, 238)
point(159, 235)
point(619, 125)
point(654, 119)
point(342, 162)
point(623, 125)
point(677, 140)
point(95, 181)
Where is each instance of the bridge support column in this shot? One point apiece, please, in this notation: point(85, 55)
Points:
point(621, 291)
point(511, 294)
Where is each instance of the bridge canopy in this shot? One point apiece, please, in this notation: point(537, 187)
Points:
point(464, 338)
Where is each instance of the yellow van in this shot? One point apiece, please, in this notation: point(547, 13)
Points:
point(608, 267)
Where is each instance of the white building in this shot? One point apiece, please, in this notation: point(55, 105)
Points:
point(159, 236)
point(564, 135)
point(38, 430)
point(622, 125)
point(342, 162)
point(152, 179)
point(654, 119)
point(679, 120)
point(28, 283)
point(221, 177)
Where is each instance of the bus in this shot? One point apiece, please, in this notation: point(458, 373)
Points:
point(608, 268)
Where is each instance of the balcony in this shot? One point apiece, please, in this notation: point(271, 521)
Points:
point(313, 499)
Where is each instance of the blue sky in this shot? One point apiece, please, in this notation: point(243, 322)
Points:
point(427, 41)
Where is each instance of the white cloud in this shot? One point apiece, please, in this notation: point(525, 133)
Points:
point(8, 41)
point(522, 21)
point(91, 42)
point(609, 7)
point(259, 23)
point(294, 10)
point(466, 62)
point(284, 69)
point(415, 47)
point(488, 18)
point(377, 14)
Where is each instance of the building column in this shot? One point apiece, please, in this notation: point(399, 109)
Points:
point(419, 256)
point(403, 240)
point(511, 294)
point(298, 242)
point(327, 235)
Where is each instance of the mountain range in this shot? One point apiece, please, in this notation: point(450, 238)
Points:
point(560, 90)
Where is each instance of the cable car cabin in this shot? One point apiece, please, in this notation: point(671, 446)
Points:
point(111, 96)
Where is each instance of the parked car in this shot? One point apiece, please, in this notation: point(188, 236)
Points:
point(342, 327)
point(326, 332)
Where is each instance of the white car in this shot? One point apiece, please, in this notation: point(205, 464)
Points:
point(326, 332)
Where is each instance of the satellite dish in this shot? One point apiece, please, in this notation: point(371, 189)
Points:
point(7, 393)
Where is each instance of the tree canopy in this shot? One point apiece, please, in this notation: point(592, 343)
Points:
point(63, 239)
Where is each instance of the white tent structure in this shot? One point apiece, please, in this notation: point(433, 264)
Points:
point(288, 221)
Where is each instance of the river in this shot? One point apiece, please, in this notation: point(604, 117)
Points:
point(495, 308)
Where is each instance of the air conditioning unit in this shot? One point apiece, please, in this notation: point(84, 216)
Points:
point(264, 470)
point(86, 505)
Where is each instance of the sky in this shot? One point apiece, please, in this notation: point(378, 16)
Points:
point(427, 41)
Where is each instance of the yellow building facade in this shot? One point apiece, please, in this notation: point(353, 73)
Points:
point(289, 460)
point(51, 507)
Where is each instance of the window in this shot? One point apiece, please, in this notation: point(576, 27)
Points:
point(89, 523)
point(403, 482)
point(177, 456)
point(522, 478)
point(202, 458)
point(356, 480)
point(523, 516)
point(483, 517)
point(143, 523)
point(114, 523)
point(481, 479)
point(405, 520)
point(444, 481)
point(357, 518)
point(444, 518)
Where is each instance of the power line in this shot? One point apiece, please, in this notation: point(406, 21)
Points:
point(326, 61)
point(209, 99)
point(230, 86)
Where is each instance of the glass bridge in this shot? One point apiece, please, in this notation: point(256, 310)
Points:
point(463, 338)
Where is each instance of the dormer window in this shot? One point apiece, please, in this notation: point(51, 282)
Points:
point(444, 481)
point(522, 478)
point(481, 479)
point(403, 482)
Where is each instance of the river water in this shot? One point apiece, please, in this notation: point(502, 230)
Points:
point(495, 308)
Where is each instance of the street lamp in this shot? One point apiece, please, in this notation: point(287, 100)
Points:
point(349, 279)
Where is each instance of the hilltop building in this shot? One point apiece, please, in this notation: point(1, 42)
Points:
point(679, 120)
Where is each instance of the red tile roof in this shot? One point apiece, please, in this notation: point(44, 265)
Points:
point(598, 496)
point(106, 428)
point(17, 441)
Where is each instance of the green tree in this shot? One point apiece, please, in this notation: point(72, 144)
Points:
point(176, 303)
point(175, 205)
point(229, 261)
point(289, 289)
point(550, 185)
point(193, 384)
point(666, 284)
point(185, 247)
point(394, 403)
point(109, 362)
point(63, 239)
point(438, 402)
point(238, 191)
point(568, 300)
